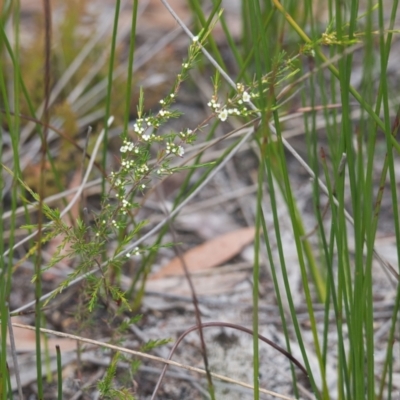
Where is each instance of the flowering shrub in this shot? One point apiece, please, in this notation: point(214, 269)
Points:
point(115, 221)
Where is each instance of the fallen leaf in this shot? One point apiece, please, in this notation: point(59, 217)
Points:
point(218, 223)
point(209, 254)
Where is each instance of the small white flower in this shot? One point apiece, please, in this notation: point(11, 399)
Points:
point(181, 151)
point(195, 39)
point(223, 115)
point(246, 97)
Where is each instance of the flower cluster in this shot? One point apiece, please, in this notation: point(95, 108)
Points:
point(134, 252)
point(174, 149)
point(237, 104)
point(128, 164)
point(128, 147)
point(141, 128)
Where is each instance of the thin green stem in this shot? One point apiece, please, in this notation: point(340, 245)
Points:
point(109, 87)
